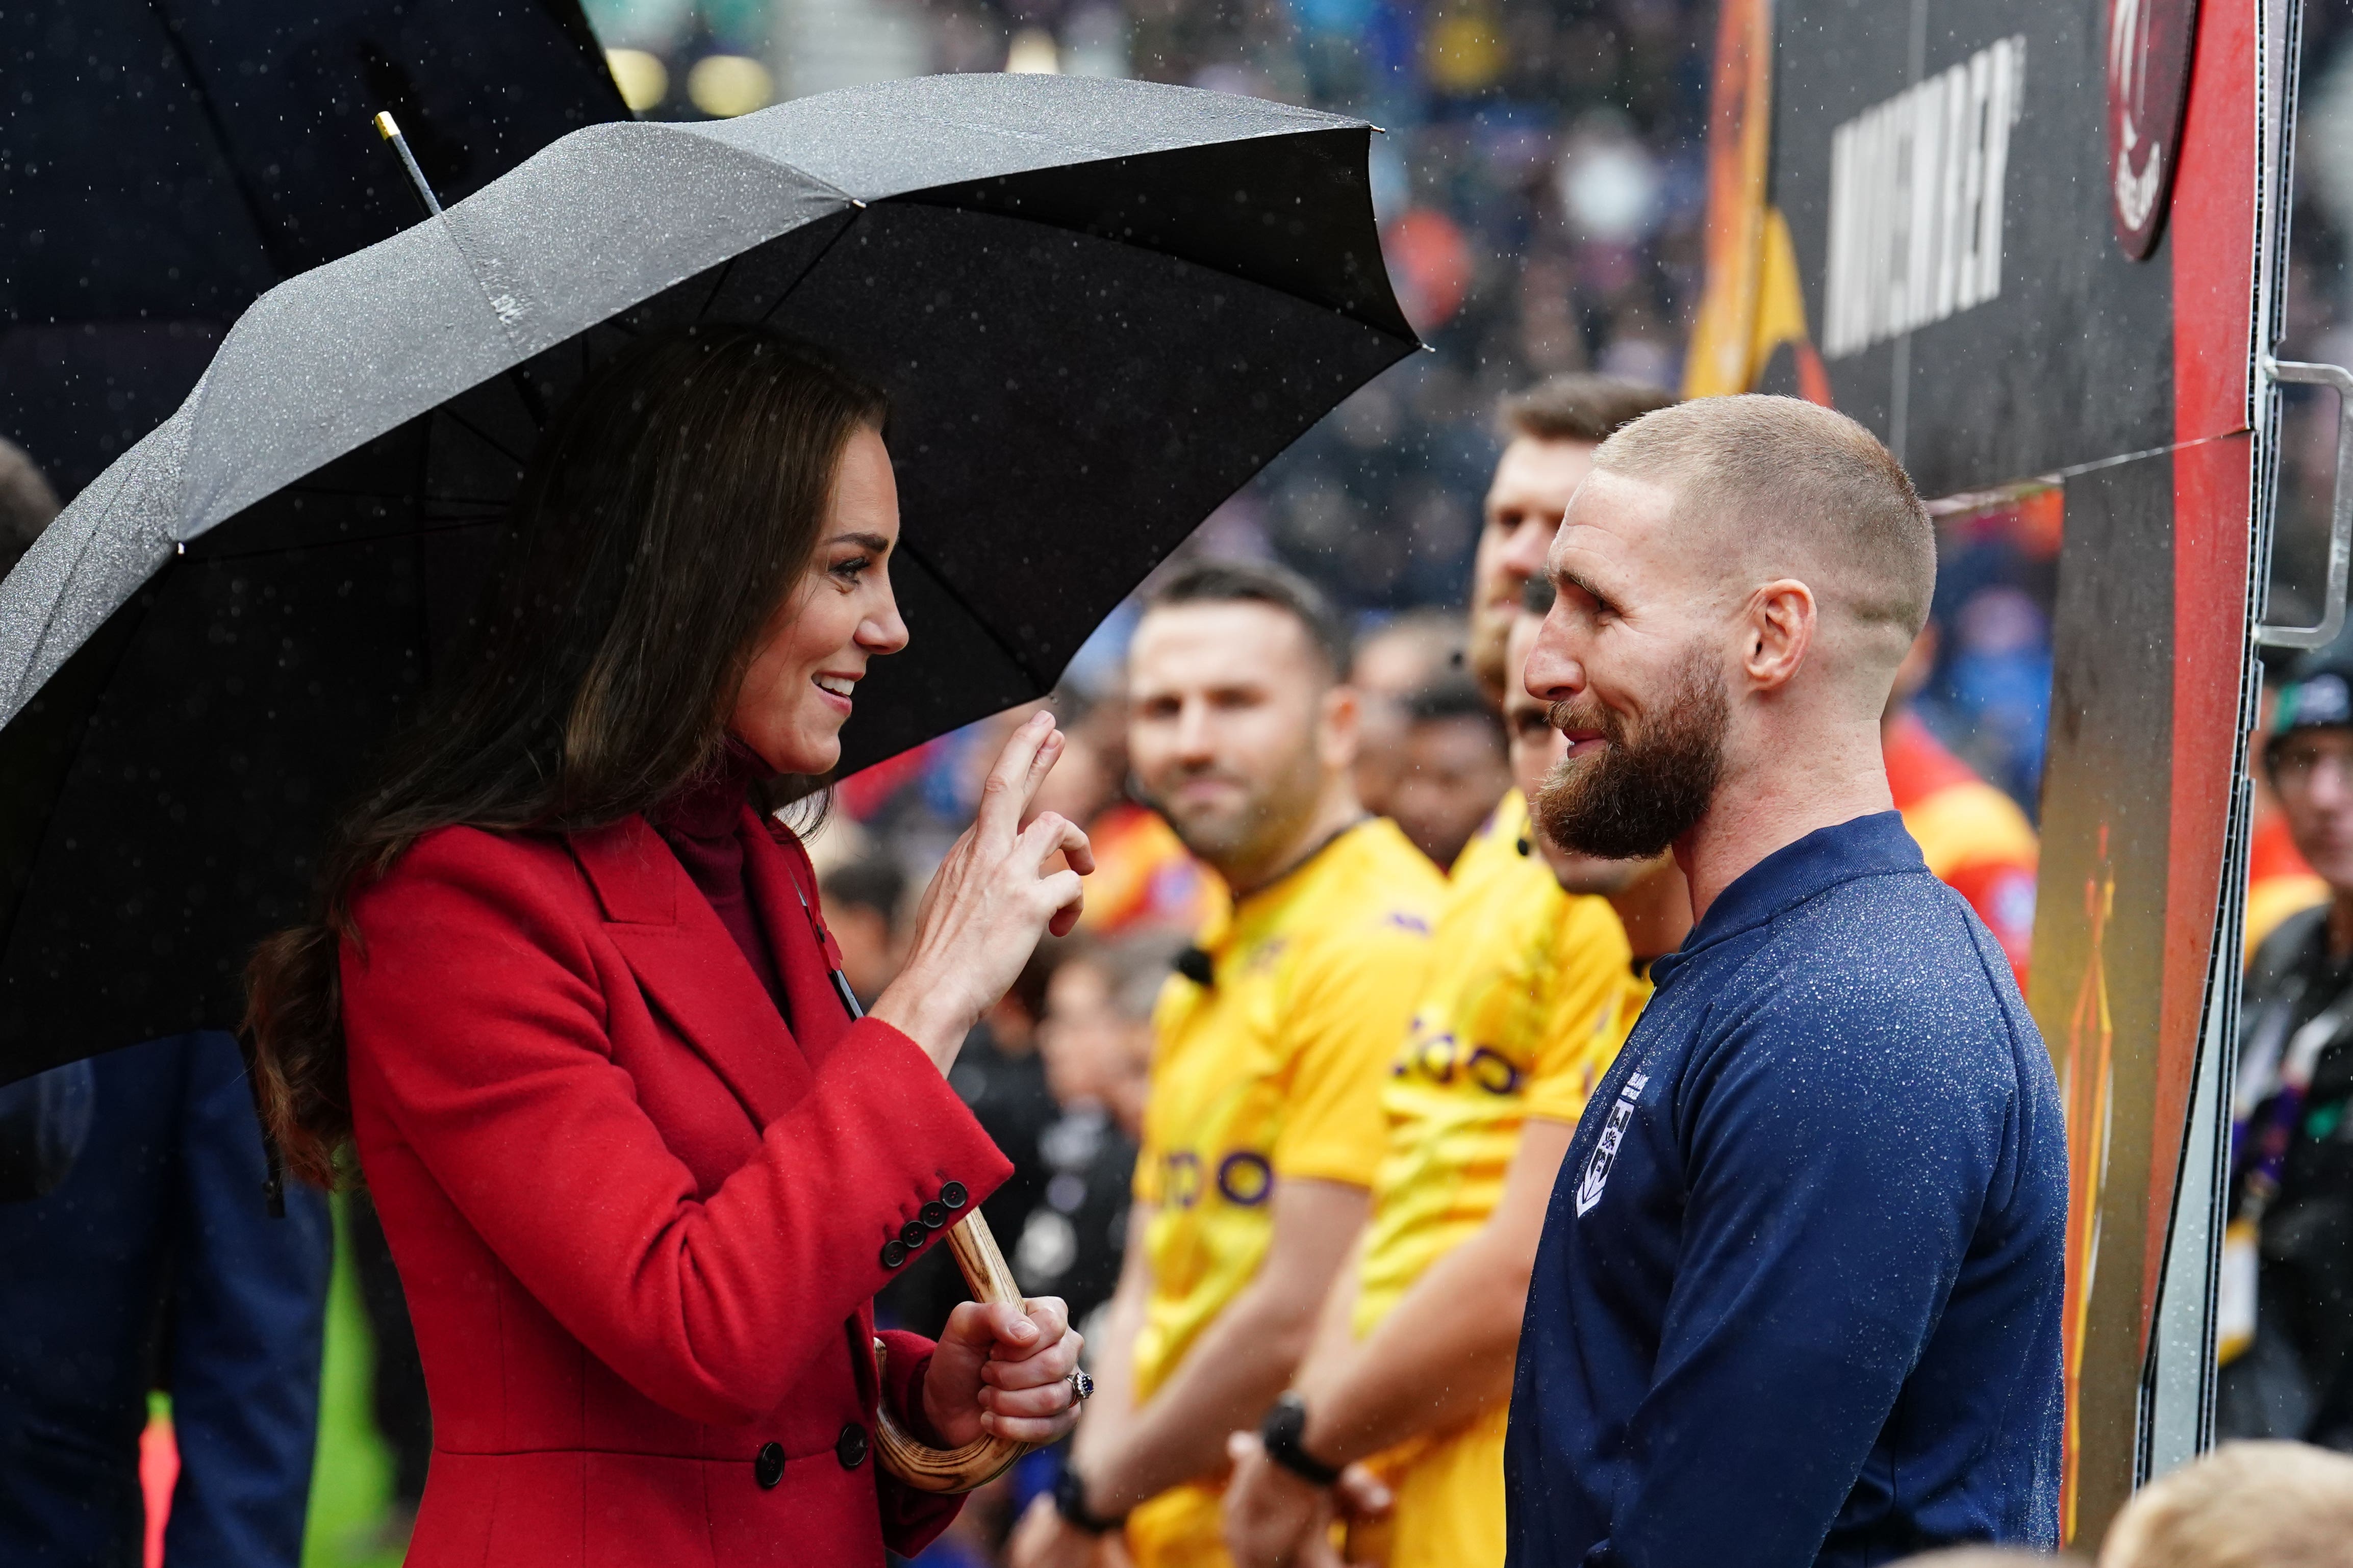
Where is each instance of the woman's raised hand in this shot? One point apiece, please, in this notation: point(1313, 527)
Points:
point(997, 894)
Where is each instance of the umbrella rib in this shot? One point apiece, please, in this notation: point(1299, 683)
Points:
point(726, 269)
point(263, 230)
point(945, 586)
point(459, 420)
point(802, 276)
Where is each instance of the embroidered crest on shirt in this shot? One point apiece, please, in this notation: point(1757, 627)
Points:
point(1604, 1154)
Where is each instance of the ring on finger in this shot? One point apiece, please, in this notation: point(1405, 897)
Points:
point(1082, 1386)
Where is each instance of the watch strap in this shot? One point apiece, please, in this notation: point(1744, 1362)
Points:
point(1071, 1502)
point(1282, 1431)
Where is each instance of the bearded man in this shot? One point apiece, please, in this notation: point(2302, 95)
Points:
point(1797, 1296)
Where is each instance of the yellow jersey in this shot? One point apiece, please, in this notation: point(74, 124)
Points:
point(1520, 1017)
point(1272, 1070)
point(1275, 1069)
point(1494, 850)
point(1530, 993)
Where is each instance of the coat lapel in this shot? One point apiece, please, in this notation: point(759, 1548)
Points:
point(783, 886)
point(690, 969)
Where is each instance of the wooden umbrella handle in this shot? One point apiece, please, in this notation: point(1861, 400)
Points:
point(982, 1460)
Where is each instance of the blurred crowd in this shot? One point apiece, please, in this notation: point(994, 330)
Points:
point(1538, 179)
point(1538, 182)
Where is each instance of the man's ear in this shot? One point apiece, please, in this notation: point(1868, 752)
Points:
point(1336, 722)
point(1779, 632)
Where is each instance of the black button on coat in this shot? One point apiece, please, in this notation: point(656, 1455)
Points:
point(850, 1446)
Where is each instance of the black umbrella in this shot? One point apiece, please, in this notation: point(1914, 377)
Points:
point(163, 162)
point(1098, 307)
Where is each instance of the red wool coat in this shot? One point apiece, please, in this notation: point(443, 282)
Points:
point(639, 1220)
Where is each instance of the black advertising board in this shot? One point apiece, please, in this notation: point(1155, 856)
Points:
point(2027, 244)
point(1942, 185)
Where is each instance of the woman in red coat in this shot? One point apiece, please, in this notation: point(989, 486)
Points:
point(572, 1003)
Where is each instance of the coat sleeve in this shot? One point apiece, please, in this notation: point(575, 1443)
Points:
point(472, 1005)
point(911, 1520)
point(1834, 1188)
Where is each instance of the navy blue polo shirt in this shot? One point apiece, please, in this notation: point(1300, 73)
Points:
point(1797, 1299)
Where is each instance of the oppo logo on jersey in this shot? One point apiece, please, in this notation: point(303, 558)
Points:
point(1244, 1178)
point(1441, 1059)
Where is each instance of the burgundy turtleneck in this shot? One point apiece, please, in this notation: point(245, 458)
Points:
point(700, 824)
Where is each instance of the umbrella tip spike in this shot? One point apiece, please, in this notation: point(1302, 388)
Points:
point(389, 129)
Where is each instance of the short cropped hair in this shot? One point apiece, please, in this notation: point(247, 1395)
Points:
point(2245, 1505)
point(1744, 459)
point(1579, 408)
point(1212, 581)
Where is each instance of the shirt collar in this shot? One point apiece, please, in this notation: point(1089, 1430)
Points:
point(1874, 846)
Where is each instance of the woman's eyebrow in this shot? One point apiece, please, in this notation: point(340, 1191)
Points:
point(873, 541)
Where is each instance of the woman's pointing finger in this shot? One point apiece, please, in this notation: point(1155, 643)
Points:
point(1020, 767)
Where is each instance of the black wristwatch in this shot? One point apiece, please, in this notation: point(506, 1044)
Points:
point(1071, 1502)
point(1284, 1425)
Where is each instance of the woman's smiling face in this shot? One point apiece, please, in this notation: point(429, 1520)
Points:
point(799, 685)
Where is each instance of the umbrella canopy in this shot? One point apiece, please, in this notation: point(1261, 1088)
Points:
point(163, 162)
point(1099, 308)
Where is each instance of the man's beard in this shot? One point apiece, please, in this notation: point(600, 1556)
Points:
point(1269, 813)
point(1636, 796)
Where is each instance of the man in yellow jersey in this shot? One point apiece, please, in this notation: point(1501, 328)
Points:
point(1528, 999)
point(1264, 1129)
point(1553, 430)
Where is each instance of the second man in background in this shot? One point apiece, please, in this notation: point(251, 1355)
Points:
point(1529, 995)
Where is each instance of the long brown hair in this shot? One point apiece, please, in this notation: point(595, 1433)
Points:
point(664, 515)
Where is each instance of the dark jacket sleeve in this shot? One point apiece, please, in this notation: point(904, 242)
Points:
point(43, 1121)
point(1834, 1187)
point(248, 1308)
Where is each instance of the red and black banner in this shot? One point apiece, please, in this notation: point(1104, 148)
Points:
point(2022, 242)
